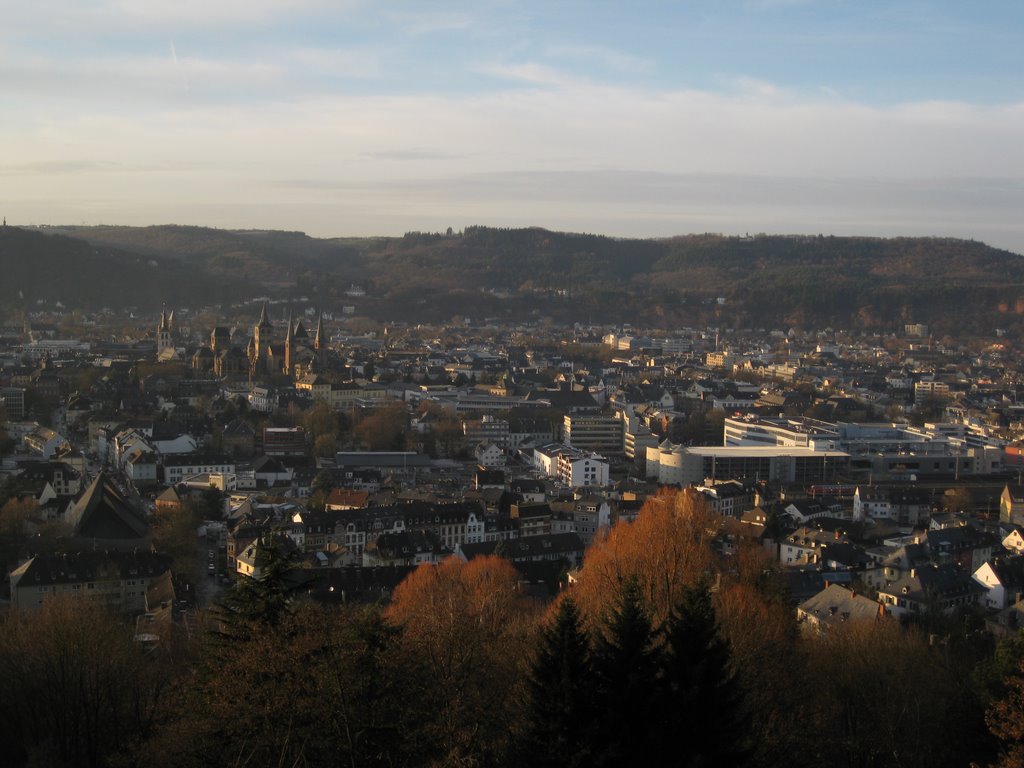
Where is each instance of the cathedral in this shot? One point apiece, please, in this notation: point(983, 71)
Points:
point(265, 354)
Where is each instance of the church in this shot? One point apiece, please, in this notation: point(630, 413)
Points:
point(266, 353)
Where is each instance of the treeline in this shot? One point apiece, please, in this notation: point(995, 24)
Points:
point(848, 282)
point(662, 652)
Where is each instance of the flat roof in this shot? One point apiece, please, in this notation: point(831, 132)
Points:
point(726, 451)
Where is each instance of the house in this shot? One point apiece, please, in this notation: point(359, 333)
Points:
point(833, 606)
point(942, 588)
point(803, 510)
point(118, 580)
point(1008, 622)
point(905, 506)
point(729, 498)
point(142, 469)
point(892, 562)
point(177, 468)
point(1014, 540)
point(566, 547)
point(489, 455)
point(63, 478)
point(45, 442)
point(804, 546)
point(239, 438)
point(406, 548)
point(345, 498)
point(172, 499)
point(253, 560)
point(1003, 580)
point(1011, 504)
point(965, 545)
point(577, 470)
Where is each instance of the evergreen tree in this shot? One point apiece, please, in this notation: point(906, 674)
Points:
point(626, 667)
point(260, 602)
point(561, 694)
point(699, 695)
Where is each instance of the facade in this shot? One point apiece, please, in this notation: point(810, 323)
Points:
point(117, 580)
point(671, 464)
point(579, 470)
point(879, 449)
point(1003, 580)
point(599, 434)
point(165, 336)
point(941, 588)
point(1011, 504)
point(284, 441)
point(487, 430)
point(178, 468)
point(905, 506)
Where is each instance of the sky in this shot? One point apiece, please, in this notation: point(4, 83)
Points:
point(640, 119)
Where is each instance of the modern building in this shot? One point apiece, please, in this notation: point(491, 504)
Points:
point(671, 464)
point(601, 434)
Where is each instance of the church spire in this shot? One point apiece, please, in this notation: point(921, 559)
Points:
point(289, 344)
point(318, 340)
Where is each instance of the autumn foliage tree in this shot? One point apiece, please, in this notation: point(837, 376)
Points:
point(666, 549)
point(466, 626)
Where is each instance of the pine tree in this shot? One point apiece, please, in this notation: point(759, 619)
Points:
point(699, 696)
point(561, 694)
point(626, 666)
point(261, 602)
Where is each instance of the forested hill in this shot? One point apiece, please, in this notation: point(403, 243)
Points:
point(763, 280)
point(37, 267)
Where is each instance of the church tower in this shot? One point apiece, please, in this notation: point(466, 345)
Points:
point(164, 340)
point(289, 348)
point(320, 342)
point(262, 334)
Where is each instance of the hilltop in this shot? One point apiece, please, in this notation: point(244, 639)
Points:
point(874, 283)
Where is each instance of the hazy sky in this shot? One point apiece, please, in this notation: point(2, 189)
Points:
point(341, 117)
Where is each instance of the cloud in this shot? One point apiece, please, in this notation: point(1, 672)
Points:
point(417, 24)
point(545, 147)
point(608, 58)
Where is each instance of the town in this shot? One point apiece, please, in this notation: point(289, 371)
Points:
point(159, 462)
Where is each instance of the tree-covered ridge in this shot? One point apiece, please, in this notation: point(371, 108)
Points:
point(765, 280)
point(80, 274)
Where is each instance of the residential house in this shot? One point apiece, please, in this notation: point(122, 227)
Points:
point(1011, 504)
point(1003, 580)
point(45, 442)
point(906, 506)
point(117, 580)
point(834, 606)
point(943, 588)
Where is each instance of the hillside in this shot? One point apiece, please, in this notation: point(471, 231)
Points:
point(53, 268)
point(766, 280)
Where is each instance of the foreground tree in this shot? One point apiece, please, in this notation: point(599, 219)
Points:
point(626, 665)
point(466, 629)
point(1005, 719)
point(321, 687)
point(74, 686)
point(699, 693)
point(666, 550)
point(561, 694)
